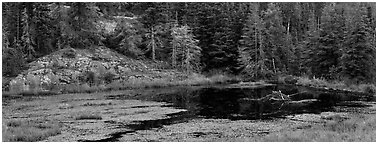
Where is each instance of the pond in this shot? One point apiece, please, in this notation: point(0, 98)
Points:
point(227, 102)
point(196, 113)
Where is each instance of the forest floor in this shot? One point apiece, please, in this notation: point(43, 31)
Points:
point(97, 117)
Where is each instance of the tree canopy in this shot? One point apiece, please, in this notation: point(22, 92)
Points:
point(257, 40)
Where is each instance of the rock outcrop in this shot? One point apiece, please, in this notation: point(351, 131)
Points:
point(96, 66)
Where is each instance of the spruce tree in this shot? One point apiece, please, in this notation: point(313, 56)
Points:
point(80, 21)
point(252, 46)
point(185, 49)
point(310, 45)
point(327, 54)
point(357, 59)
point(279, 50)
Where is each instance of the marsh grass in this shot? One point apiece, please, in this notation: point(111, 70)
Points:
point(341, 85)
point(356, 129)
point(97, 104)
point(28, 131)
point(88, 116)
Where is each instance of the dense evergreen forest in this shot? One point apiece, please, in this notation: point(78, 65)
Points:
point(258, 40)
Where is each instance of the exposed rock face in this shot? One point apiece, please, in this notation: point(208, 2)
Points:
point(97, 66)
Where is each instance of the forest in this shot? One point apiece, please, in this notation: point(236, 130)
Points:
point(334, 41)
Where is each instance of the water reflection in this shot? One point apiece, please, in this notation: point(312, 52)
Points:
point(240, 102)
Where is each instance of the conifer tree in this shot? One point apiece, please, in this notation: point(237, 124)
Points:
point(279, 51)
point(27, 39)
point(185, 49)
point(358, 57)
point(310, 45)
point(80, 25)
point(327, 54)
point(252, 46)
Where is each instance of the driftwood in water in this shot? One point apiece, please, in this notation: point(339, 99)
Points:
point(273, 102)
point(262, 105)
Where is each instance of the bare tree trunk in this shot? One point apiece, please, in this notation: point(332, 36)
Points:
point(153, 43)
point(274, 66)
point(187, 63)
point(288, 27)
point(262, 55)
point(256, 55)
point(174, 49)
point(174, 63)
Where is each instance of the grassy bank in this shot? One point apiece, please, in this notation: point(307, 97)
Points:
point(357, 129)
point(192, 80)
point(332, 84)
point(341, 85)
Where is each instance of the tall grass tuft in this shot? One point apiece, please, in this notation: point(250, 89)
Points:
point(28, 131)
point(356, 129)
point(88, 116)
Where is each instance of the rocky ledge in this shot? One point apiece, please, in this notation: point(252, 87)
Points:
point(95, 66)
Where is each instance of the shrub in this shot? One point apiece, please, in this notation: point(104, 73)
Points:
point(97, 104)
point(69, 53)
point(90, 77)
point(85, 116)
point(368, 88)
point(108, 77)
point(17, 86)
point(34, 83)
point(115, 85)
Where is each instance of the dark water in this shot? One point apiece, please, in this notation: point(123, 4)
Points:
point(235, 103)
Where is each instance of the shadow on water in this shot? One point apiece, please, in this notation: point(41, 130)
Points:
point(223, 102)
